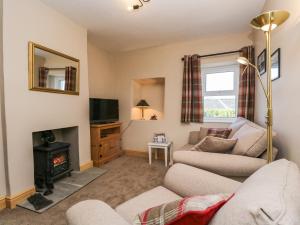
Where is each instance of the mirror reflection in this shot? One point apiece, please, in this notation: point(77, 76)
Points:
point(53, 71)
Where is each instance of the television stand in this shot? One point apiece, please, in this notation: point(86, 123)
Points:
point(105, 142)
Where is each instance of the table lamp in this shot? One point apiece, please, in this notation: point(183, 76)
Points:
point(142, 104)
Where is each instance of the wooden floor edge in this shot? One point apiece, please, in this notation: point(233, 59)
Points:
point(12, 201)
point(2, 202)
point(136, 153)
point(86, 166)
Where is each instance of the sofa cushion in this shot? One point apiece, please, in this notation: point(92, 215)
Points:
point(269, 196)
point(215, 144)
point(203, 133)
point(92, 212)
point(194, 137)
point(252, 140)
point(157, 196)
point(196, 210)
point(236, 125)
point(222, 164)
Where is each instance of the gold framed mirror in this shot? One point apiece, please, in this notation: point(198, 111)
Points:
point(52, 71)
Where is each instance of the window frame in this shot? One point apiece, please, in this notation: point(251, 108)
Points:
point(233, 67)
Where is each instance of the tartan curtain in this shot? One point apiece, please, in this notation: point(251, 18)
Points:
point(43, 73)
point(246, 99)
point(70, 78)
point(192, 103)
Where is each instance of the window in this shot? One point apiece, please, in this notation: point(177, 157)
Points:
point(220, 93)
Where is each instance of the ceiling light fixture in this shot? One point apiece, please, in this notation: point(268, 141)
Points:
point(136, 6)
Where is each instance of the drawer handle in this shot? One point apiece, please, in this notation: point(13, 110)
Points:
point(100, 146)
point(100, 156)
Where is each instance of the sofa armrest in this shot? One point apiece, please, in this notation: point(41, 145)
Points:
point(93, 212)
point(189, 181)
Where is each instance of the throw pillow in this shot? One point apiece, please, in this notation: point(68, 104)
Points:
point(197, 210)
point(215, 144)
point(219, 132)
point(215, 132)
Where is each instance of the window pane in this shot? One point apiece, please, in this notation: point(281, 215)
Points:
point(220, 81)
point(219, 107)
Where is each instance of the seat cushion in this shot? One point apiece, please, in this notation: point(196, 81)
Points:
point(157, 196)
point(269, 196)
point(223, 164)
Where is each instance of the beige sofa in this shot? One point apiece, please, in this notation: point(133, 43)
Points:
point(237, 167)
point(270, 196)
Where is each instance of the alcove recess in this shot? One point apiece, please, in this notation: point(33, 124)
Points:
point(153, 91)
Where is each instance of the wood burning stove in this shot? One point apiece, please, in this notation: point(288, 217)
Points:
point(50, 163)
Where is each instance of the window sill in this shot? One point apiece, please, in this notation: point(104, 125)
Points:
point(219, 120)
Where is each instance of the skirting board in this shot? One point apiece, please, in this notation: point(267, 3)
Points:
point(2, 202)
point(12, 201)
point(143, 154)
point(86, 166)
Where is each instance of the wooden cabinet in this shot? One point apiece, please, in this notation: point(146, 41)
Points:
point(105, 142)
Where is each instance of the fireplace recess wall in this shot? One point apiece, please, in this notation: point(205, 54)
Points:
point(68, 135)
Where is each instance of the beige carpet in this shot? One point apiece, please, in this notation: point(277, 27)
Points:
point(126, 178)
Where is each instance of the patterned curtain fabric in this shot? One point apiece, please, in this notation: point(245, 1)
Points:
point(70, 78)
point(192, 105)
point(246, 99)
point(43, 73)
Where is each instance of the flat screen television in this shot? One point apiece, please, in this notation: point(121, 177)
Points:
point(104, 110)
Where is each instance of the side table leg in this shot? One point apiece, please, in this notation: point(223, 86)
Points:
point(150, 154)
point(166, 156)
point(171, 155)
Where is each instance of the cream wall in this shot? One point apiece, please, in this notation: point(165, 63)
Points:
point(164, 61)
point(29, 111)
point(2, 165)
point(286, 89)
point(102, 79)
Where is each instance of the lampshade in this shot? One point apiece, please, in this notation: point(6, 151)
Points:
point(243, 61)
point(142, 104)
point(271, 18)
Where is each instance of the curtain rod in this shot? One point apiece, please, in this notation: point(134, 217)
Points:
point(216, 54)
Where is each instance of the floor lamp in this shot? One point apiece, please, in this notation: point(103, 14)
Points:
point(267, 22)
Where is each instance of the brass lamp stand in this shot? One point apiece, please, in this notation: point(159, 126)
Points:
point(267, 22)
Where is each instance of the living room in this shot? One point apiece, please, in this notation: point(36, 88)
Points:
point(139, 55)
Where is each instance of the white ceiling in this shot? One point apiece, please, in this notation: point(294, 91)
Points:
point(112, 27)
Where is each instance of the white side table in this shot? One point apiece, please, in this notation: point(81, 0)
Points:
point(167, 147)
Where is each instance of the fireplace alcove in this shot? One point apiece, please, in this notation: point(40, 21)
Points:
point(65, 148)
point(67, 135)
